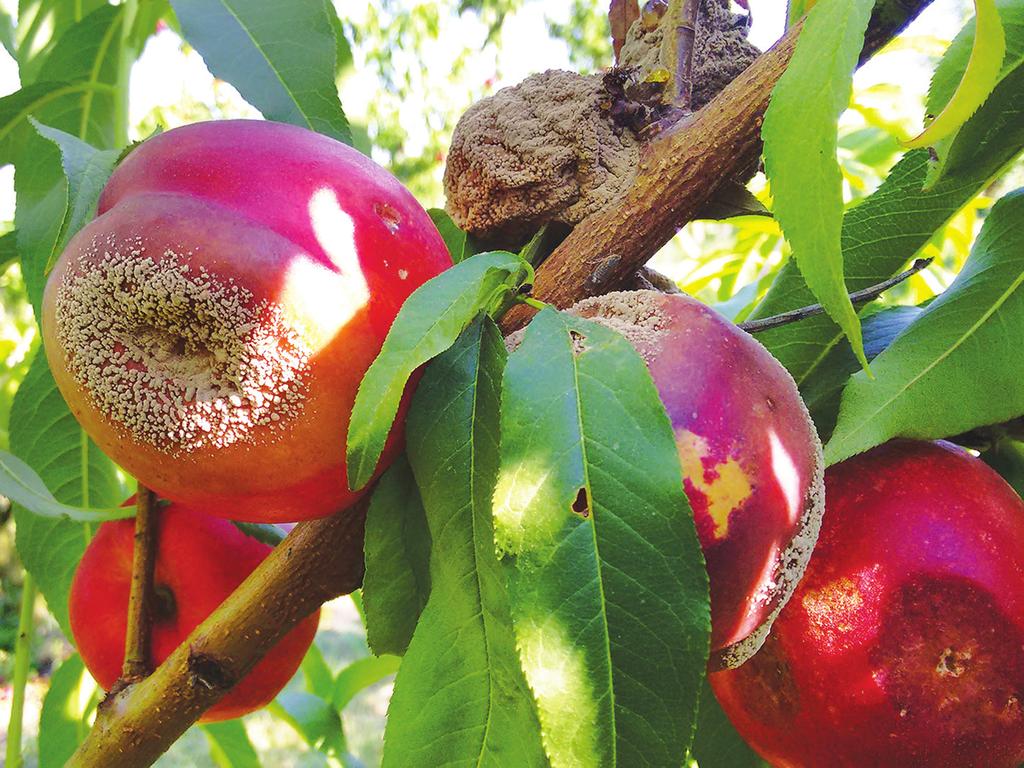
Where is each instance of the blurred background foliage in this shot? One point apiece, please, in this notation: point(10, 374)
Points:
point(407, 70)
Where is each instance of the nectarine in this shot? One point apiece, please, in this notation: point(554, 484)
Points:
point(750, 456)
point(210, 327)
point(904, 643)
point(200, 561)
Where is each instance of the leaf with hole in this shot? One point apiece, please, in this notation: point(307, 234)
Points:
point(600, 549)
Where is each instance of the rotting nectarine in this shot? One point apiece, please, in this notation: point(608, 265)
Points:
point(200, 561)
point(904, 643)
point(210, 327)
point(750, 456)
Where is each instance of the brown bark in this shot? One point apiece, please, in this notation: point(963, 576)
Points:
point(137, 635)
point(317, 561)
point(323, 558)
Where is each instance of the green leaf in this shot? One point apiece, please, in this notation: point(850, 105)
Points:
point(86, 170)
point(314, 719)
point(979, 77)
point(263, 532)
point(397, 552)
point(1002, 113)
point(229, 745)
point(317, 675)
point(796, 11)
point(62, 723)
point(45, 435)
point(360, 675)
point(716, 743)
point(457, 241)
point(428, 324)
point(280, 56)
point(1006, 457)
point(730, 200)
point(23, 486)
point(879, 236)
point(41, 23)
point(822, 393)
point(460, 698)
point(958, 366)
point(800, 144)
point(8, 248)
point(78, 97)
point(606, 577)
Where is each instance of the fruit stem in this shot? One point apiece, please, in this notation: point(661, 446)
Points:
point(137, 637)
point(22, 652)
point(857, 297)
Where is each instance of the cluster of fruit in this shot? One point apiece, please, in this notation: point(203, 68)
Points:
point(209, 329)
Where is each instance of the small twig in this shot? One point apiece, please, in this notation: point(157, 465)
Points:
point(857, 297)
point(681, 40)
point(137, 637)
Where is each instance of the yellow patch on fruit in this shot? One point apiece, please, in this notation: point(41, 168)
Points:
point(726, 492)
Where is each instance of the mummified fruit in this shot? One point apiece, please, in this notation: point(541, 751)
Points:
point(904, 643)
point(751, 458)
point(200, 561)
point(210, 327)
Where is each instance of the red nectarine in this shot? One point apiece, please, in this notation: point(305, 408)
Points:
point(200, 561)
point(751, 458)
point(210, 327)
point(904, 643)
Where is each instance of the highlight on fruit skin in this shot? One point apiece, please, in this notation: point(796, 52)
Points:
point(750, 456)
point(209, 329)
point(904, 643)
point(199, 562)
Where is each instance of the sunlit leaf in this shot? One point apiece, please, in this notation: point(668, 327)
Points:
point(800, 144)
point(597, 537)
point(979, 78)
point(428, 324)
point(460, 698)
point(279, 55)
point(956, 367)
point(63, 721)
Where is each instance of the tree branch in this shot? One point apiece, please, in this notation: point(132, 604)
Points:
point(140, 599)
point(680, 171)
point(317, 561)
point(857, 297)
point(323, 558)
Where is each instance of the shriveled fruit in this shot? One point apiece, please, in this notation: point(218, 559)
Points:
point(200, 561)
point(904, 643)
point(210, 327)
point(750, 455)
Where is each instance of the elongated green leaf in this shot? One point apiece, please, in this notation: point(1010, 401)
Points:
point(800, 144)
point(8, 248)
point(959, 365)
point(23, 486)
point(428, 324)
point(879, 236)
point(716, 743)
point(280, 56)
point(314, 719)
point(397, 551)
point(1002, 110)
point(264, 532)
point(360, 675)
point(460, 698)
point(822, 393)
point(41, 23)
point(86, 170)
point(454, 238)
point(606, 577)
point(230, 746)
point(45, 435)
point(79, 98)
point(62, 722)
point(317, 675)
point(979, 78)
point(796, 10)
